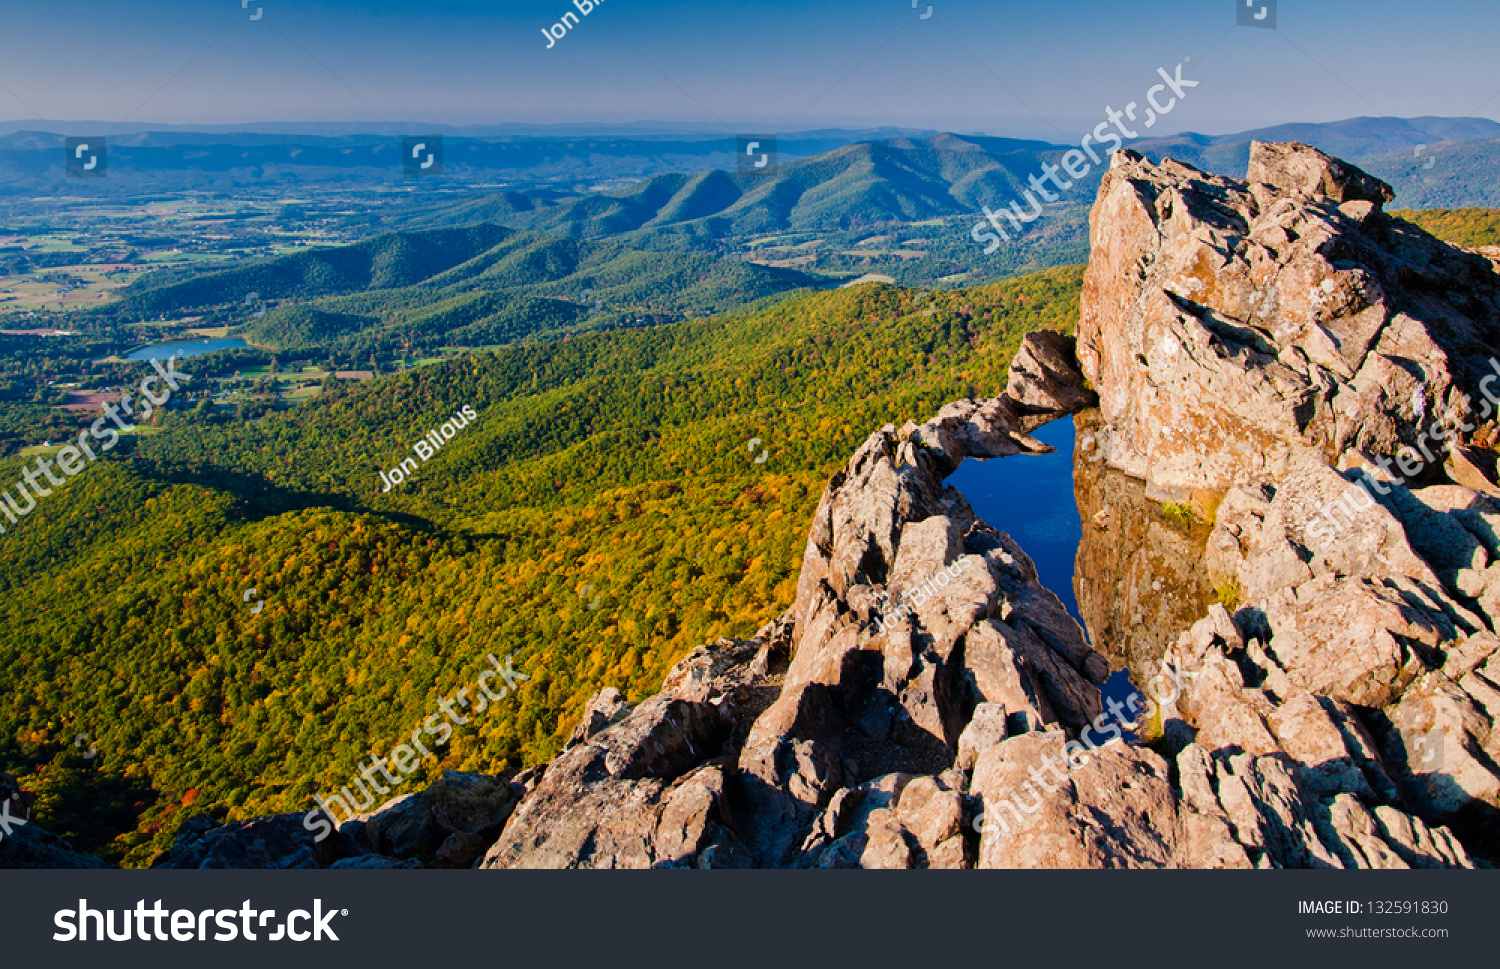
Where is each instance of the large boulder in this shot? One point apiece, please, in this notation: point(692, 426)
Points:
point(1044, 374)
point(1225, 324)
point(448, 825)
point(643, 792)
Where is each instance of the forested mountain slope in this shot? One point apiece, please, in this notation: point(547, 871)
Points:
point(482, 285)
point(607, 511)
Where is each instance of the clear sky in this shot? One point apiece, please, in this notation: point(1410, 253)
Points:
point(995, 66)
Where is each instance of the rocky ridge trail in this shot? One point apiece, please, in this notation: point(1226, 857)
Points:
point(1256, 348)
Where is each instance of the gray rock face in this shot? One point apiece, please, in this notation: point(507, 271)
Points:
point(1226, 324)
point(1264, 349)
point(448, 825)
point(1393, 621)
point(895, 821)
point(1115, 811)
point(986, 729)
point(604, 709)
point(648, 790)
point(1297, 171)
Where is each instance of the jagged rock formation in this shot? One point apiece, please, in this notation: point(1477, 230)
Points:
point(1346, 709)
point(831, 737)
point(1227, 324)
point(448, 825)
point(1293, 744)
point(1043, 374)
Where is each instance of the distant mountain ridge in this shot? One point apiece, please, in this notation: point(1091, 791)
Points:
point(839, 198)
point(948, 172)
point(1354, 138)
point(165, 160)
point(946, 180)
point(902, 207)
point(482, 285)
point(911, 179)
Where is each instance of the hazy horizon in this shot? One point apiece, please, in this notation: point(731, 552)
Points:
point(1005, 70)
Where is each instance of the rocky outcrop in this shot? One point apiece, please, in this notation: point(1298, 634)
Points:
point(1344, 713)
point(448, 825)
point(1254, 348)
point(1227, 324)
point(1044, 374)
point(279, 841)
point(637, 795)
point(830, 740)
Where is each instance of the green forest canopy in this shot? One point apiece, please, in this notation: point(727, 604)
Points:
point(600, 519)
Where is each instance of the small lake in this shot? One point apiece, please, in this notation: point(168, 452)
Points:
point(1030, 497)
point(161, 351)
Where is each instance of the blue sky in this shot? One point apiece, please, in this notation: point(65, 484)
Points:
point(996, 66)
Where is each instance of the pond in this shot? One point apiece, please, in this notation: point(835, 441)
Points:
point(1030, 497)
point(161, 351)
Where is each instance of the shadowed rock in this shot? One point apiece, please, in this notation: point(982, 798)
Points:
point(29, 846)
point(279, 841)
